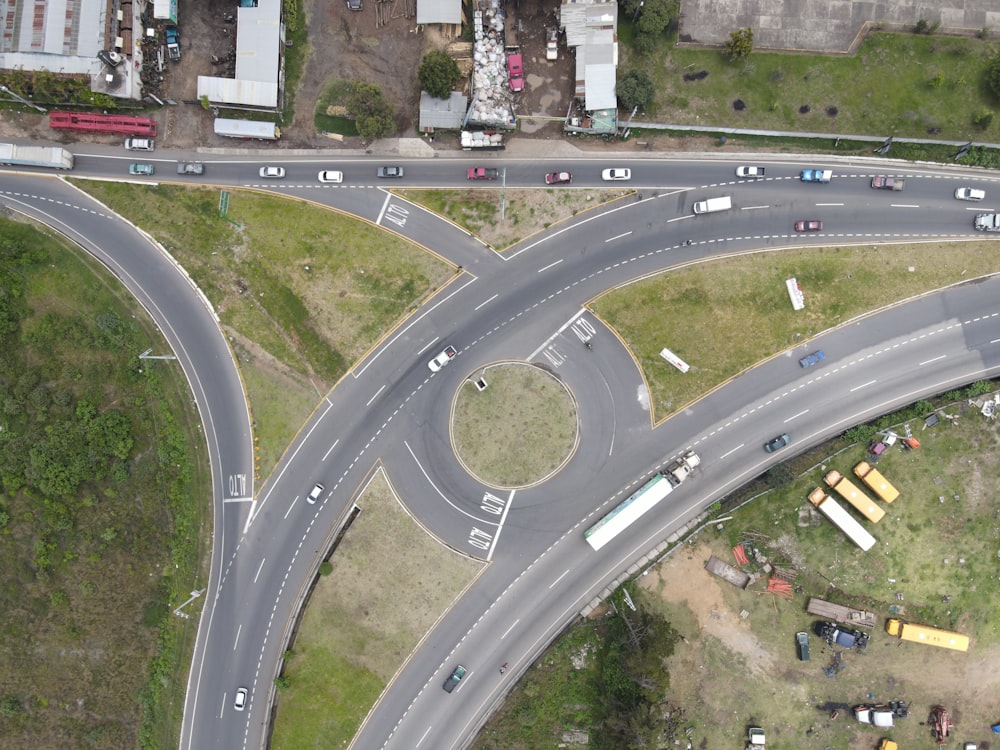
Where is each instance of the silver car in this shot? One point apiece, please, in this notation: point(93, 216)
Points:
point(273, 173)
point(970, 194)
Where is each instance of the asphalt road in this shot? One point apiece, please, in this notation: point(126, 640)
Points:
point(528, 305)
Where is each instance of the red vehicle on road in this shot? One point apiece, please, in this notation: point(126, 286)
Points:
point(483, 173)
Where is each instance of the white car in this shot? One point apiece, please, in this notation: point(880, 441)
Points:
point(314, 494)
point(331, 176)
point(970, 194)
point(140, 144)
point(274, 173)
point(756, 172)
point(446, 356)
point(240, 701)
point(619, 173)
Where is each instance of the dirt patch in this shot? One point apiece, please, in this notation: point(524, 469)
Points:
point(732, 671)
point(682, 579)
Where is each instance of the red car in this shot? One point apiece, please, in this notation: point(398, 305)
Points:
point(812, 225)
point(556, 178)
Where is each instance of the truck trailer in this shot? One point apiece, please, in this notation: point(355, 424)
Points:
point(877, 483)
point(35, 156)
point(908, 631)
point(850, 492)
point(265, 131)
point(89, 122)
point(641, 501)
point(840, 518)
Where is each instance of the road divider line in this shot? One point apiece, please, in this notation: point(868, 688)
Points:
point(259, 568)
point(325, 455)
point(550, 265)
point(552, 585)
point(237, 640)
point(375, 396)
point(795, 416)
point(724, 455)
point(385, 205)
point(507, 631)
point(929, 361)
point(503, 517)
point(444, 497)
point(617, 237)
point(424, 735)
point(484, 304)
point(863, 385)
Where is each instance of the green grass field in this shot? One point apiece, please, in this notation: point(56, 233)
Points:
point(101, 508)
point(712, 306)
point(302, 292)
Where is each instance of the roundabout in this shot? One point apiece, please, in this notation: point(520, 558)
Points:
point(514, 425)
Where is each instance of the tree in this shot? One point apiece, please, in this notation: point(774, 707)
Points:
point(653, 22)
point(740, 44)
point(372, 113)
point(437, 73)
point(993, 75)
point(635, 90)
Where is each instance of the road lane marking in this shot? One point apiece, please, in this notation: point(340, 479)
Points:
point(617, 237)
point(680, 218)
point(550, 265)
point(424, 735)
point(753, 208)
point(863, 385)
point(995, 341)
point(258, 570)
point(565, 573)
point(439, 492)
point(904, 205)
point(496, 537)
point(376, 395)
point(795, 416)
point(385, 205)
point(331, 448)
point(507, 631)
point(733, 450)
point(238, 631)
point(562, 328)
point(929, 361)
point(285, 517)
point(484, 304)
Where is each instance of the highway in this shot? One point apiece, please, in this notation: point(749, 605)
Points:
point(527, 304)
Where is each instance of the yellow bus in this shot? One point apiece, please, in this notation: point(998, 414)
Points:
point(877, 483)
point(850, 492)
point(909, 631)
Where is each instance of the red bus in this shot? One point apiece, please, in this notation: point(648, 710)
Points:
point(86, 122)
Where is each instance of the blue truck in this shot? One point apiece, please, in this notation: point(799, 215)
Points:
point(817, 175)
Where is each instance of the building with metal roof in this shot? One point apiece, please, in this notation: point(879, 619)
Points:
point(260, 40)
point(592, 31)
point(439, 11)
point(442, 114)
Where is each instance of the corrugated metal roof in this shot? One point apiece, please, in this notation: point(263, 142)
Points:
point(238, 91)
point(259, 36)
point(55, 27)
point(577, 17)
point(446, 114)
point(600, 87)
point(439, 11)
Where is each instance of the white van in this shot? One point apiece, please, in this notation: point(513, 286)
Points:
point(712, 205)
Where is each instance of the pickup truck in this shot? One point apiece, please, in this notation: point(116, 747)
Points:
point(835, 635)
point(755, 173)
point(173, 42)
point(483, 173)
point(987, 222)
point(888, 183)
point(817, 175)
point(190, 167)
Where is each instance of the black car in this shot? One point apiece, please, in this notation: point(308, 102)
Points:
point(777, 443)
point(454, 678)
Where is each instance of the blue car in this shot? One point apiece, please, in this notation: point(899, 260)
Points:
point(811, 359)
point(817, 175)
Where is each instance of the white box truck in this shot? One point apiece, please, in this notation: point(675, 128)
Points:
point(711, 205)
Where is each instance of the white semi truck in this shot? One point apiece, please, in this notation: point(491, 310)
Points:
point(35, 156)
point(641, 501)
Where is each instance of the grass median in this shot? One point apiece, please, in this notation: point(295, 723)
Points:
point(387, 585)
point(302, 292)
point(518, 430)
point(724, 316)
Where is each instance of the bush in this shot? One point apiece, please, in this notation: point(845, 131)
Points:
point(635, 89)
point(438, 73)
point(740, 44)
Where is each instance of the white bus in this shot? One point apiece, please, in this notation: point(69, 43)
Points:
point(628, 512)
